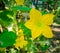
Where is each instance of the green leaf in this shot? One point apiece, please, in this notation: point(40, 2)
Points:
point(44, 45)
point(44, 12)
point(5, 17)
point(22, 8)
point(57, 20)
point(7, 38)
point(42, 37)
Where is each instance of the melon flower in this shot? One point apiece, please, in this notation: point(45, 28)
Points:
point(40, 24)
point(19, 2)
point(20, 42)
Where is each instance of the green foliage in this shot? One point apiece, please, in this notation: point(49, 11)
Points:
point(57, 17)
point(57, 20)
point(31, 47)
point(6, 17)
point(7, 38)
point(9, 3)
point(26, 31)
point(44, 45)
point(21, 8)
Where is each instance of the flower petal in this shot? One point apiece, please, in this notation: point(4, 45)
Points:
point(29, 24)
point(47, 32)
point(21, 44)
point(21, 37)
point(47, 19)
point(36, 33)
point(19, 2)
point(35, 15)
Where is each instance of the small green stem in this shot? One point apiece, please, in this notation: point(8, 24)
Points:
point(15, 21)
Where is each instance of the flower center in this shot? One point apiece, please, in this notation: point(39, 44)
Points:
point(38, 24)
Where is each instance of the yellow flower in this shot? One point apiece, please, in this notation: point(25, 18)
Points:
point(39, 24)
point(19, 2)
point(20, 42)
